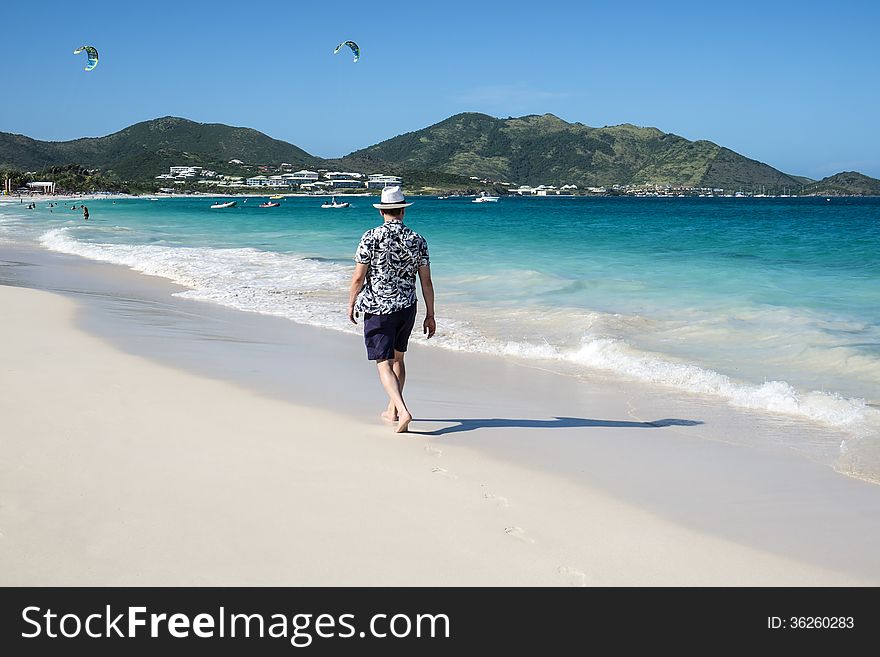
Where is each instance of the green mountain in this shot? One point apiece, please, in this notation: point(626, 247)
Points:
point(846, 183)
point(545, 149)
point(528, 150)
point(146, 149)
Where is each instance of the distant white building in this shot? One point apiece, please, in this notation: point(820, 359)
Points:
point(263, 181)
point(380, 181)
point(235, 162)
point(343, 183)
point(180, 172)
point(44, 186)
point(303, 177)
point(315, 186)
point(342, 175)
point(523, 190)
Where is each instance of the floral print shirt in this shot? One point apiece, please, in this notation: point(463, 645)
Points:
point(394, 253)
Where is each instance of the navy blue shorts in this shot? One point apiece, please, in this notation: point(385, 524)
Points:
point(385, 334)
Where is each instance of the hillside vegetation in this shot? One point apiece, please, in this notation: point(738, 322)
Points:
point(143, 150)
point(545, 149)
point(846, 183)
point(456, 153)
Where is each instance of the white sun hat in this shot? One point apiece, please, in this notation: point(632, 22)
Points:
point(392, 197)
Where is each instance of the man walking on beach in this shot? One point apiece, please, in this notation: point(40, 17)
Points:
point(383, 288)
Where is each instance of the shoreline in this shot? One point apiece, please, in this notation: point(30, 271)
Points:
point(97, 196)
point(493, 435)
point(843, 419)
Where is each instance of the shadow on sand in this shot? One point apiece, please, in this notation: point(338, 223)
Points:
point(470, 424)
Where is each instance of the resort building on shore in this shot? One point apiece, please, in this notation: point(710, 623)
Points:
point(380, 181)
point(302, 177)
point(272, 181)
point(342, 175)
point(273, 177)
point(343, 183)
point(43, 187)
point(543, 190)
point(315, 186)
point(185, 172)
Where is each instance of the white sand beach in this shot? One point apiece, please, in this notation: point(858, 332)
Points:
point(118, 469)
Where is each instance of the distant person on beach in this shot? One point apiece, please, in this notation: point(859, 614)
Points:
point(383, 288)
point(85, 213)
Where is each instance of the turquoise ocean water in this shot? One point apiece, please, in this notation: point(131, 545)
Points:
point(766, 304)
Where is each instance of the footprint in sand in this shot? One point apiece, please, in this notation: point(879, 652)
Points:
point(497, 499)
point(443, 472)
point(573, 576)
point(433, 451)
point(518, 532)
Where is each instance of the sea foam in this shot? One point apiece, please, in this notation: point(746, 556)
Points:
point(315, 292)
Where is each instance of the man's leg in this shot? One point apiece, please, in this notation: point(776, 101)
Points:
point(392, 386)
point(399, 368)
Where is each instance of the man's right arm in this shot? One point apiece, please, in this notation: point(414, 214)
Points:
point(357, 284)
point(362, 258)
point(429, 326)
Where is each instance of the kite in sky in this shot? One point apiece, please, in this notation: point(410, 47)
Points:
point(93, 56)
point(354, 48)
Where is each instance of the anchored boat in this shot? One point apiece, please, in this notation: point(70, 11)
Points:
point(333, 204)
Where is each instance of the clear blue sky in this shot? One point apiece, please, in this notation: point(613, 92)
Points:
point(793, 84)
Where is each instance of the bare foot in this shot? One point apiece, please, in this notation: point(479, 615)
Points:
point(403, 422)
point(388, 416)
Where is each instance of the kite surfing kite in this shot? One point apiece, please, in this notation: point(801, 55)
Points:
point(93, 56)
point(354, 48)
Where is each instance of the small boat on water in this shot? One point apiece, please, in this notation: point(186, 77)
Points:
point(333, 204)
point(228, 204)
point(275, 197)
point(483, 197)
point(269, 204)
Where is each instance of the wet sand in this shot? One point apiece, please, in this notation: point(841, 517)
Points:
point(154, 440)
